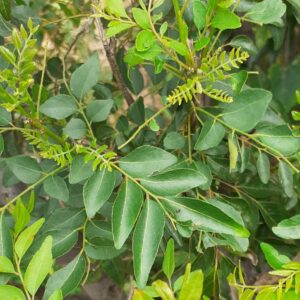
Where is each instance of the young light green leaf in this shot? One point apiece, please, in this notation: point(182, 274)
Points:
point(39, 267)
point(145, 39)
point(25, 239)
point(8, 292)
point(263, 167)
point(125, 211)
point(21, 216)
point(289, 228)
point(248, 109)
point(87, 75)
point(59, 107)
point(116, 27)
point(115, 7)
point(25, 168)
point(225, 19)
point(57, 295)
point(56, 187)
point(204, 215)
point(192, 286)
point(146, 239)
point(75, 129)
point(146, 160)
point(179, 47)
point(79, 170)
point(273, 257)
point(286, 178)
point(233, 152)
point(168, 266)
point(141, 18)
point(67, 278)
point(211, 135)
point(97, 190)
point(173, 182)
point(163, 290)
point(6, 266)
point(140, 295)
point(98, 110)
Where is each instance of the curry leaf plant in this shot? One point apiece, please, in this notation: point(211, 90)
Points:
point(168, 170)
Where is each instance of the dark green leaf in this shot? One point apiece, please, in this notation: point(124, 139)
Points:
point(174, 141)
point(5, 117)
point(5, 9)
point(1, 144)
point(56, 187)
point(75, 129)
point(263, 167)
point(136, 112)
point(199, 14)
point(98, 110)
point(6, 246)
point(286, 178)
point(79, 170)
point(168, 266)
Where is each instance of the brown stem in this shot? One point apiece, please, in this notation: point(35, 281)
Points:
point(109, 47)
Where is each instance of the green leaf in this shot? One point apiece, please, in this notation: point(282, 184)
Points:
point(57, 295)
point(56, 187)
point(146, 239)
point(1, 144)
point(145, 39)
point(289, 228)
point(97, 191)
point(21, 216)
point(6, 266)
point(273, 257)
point(204, 215)
point(296, 9)
point(85, 77)
point(5, 117)
point(115, 7)
point(6, 54)
point(199, 14)
point(267, 12)
point(163, 290)
point(174, 141)
point(6, 245)
point(141, 18)
point(146, 160)
point(116, 27)
point(79, 170)
point(263, 167)
point(59, 107)
point(5, 9)
point(99, 110)
point(245, 43)
point(25, 168)
point(211, 135)
point(286, 178)
point(67, 278)
point(8, 292)
point(39, 267)
point(192, 286)
point(126, 209)
point(247, 110)
point(202, 43)
point(233, 152)
point(25, 239)
point(279, 138)
point(168, 266)
point(225, 19)
point(171, 183)
point(75, 129)
point(154, 126)
point(179, 47)
point(140, 295)
point(136, 112)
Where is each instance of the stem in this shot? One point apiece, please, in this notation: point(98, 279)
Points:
point(189, 137)
point(31, 187)
point(144, 125)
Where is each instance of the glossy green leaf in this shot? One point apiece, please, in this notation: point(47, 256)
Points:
point(141, 18)
point(171, 183)
point(225, 19)
point(146, 160)
point(6, 266)
point(204, 215)
point(5, 9)
point(85, 77)
point(98, 110)
point(39, 267)
point(146, 239)
point(263, 167)
point(273, 257)
point(267, 12)
point(126, 209)
point(25, 239)
point(66, 104)
point(199, 14)
point(75, 129)
point(279, 138)
point(286, 178)
point(6, 245)
point(56, 187)
point(192, 286)
point(168, 266)
point(248, 109)
point(97, 191)
point(57, 295)
point(289, 228)
point(79, 170)
point(67, 278)
point(144, 40)
point(8, 292)
point(25, 168)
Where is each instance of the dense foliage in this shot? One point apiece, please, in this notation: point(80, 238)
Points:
point(154, 141)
